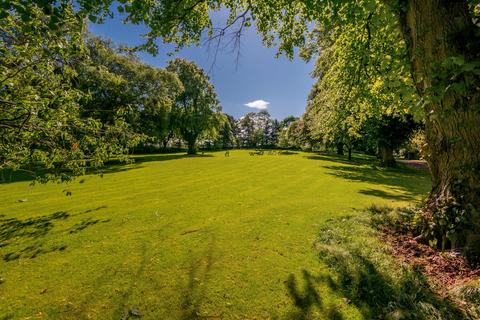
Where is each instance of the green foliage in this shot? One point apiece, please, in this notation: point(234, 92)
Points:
point(363, 89)
point(118, 86)
point(363, 78)
point(388, 131)
point(415, 147)
point(403, 220)
point(453, 76)
point(41, 122)
point(470, 293)
point(256, 129)
point(284, 140)
point(438, 228)
point(365, 273)
point(298, 135)
point(226, 137)
point(196, 113)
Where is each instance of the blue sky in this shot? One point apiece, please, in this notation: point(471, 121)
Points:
point(259, 79)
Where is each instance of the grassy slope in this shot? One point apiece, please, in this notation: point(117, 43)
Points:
point(181, 237)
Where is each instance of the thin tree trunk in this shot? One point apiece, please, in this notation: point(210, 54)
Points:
point(166, 140)
point(165, 143)
point(437, 30)
point(349, 153)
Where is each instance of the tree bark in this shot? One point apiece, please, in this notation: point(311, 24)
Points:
point(165, 143)
point(386, 157)
point(435, 30)
point(339, 146)
point(166, 140)
point(192, 146)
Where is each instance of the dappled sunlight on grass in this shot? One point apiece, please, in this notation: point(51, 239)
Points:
point(184, 237)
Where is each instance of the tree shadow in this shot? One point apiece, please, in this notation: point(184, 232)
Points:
point(28, 236)
point(123, 309)
point(93, 210)
point(114, 166)
point(361, 169)
point(387, 195)
point(32, 251)
point(85, 224)
point(9, 176)
point(367, 277)
point(404, 179)
point(12, 228)
point(357, 159)
point(306, 299)
point(168, 157)
point(111, 166)
point(198, 276)
point(377, 295)
point(287, 153)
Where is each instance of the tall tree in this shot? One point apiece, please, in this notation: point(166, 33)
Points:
point(443, 45)
point(257, 129)
point(42, 125)
point(118, 85)
point(443, 56)
point(283, 126)
point(226, 137)
point(388, 133)
point(299, 135)
point(196, 110)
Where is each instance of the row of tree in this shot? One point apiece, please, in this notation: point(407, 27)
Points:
point(156, 104)
point(69, 101)
point(379, 60)
point(253, 130)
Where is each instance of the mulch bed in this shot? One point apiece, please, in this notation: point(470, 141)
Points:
point(418, 164)
point(448, 267)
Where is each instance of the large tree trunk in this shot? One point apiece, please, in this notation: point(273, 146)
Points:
point(437, 30)
point(386, 157)
point(192, 146)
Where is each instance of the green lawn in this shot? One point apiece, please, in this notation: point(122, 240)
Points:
point(207, 237)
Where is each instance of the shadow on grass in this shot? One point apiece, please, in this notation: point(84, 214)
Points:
point(28, 235)
point(112, 166)
point(376, 294)
point(115, 166)
point(198, 276)
point(287, 153)
point(12, 228)
point(388, 195)
point(363, 275)
point(357, 159)
point(10, 176)
point(160, 157)
point(306, 298)
point(85, 224)
point(411, 182)
point(123, 308)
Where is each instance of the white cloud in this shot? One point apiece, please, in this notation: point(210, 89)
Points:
point(258, 104)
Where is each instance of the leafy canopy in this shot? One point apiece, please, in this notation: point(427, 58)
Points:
point(41, 126)
point(196, 113)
